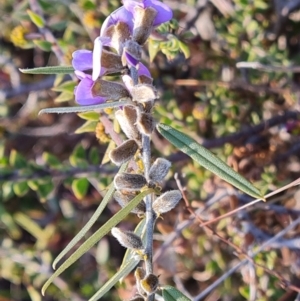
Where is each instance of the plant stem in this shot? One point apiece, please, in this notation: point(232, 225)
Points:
point(150, 219)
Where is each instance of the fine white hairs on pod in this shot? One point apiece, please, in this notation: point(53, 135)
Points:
point(166, 201)
point(143, 93)
point(124, 152)
point(159, 170)
point(124, 198)
point(128, 239)
point(139, 274)
point(130, 182)
point(149, 284)
point(146, 123)
point(127, 119)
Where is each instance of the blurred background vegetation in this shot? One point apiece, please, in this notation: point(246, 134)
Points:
point(54, 172)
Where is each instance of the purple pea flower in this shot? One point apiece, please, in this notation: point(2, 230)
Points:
point(164, 13)
point(83, 92)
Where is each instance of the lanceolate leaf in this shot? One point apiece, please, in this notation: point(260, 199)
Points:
point(90, 223)
point(49, 70)
point(207, 159)
point(90, 242)
point(84, 108)
point(123, 272)
point(170, 293)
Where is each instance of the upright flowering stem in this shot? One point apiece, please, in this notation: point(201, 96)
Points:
point(146, 157)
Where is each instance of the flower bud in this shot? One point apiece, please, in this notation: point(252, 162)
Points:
point(143, 23)
point(143, 93)
point(149, 284)
point(124, 152)
point(145, 123)
point(111, 90)
point(130, 182)
point(159, 170)
point(127, 119)
point(166, 202)
point(124, 198)
point(128, 239)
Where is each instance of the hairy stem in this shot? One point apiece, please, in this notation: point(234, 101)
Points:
point(150, 219)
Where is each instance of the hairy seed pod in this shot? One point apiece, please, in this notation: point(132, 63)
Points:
point(124, 152)
point(145, 123)
point(159, 170)
point(166, 202)
point(149, 284)
point(118, 34)
point(127, 119)
point(111, 61)
point(143, 23)
point(144, 79)
point(124, 198)
point(130, 182)
point(111, 90)
point(139, 274)
point(143, 93)
point(127, 239)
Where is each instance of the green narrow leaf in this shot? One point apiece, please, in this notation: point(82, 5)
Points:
point(49, 70)
point(185, 49)
point(123, 272)
point(80, 187)
point(90, 223)
point(11, 227)
point(51, 160)
point(170, 293)
point(88, 126)
point(153, 48)
point(91, 241)
point(84, 108)
point(16, 160)
point(64, 96)
point(93, 116)
point(20, 188)
point(44, 45)
point(207, 159)
point(29, 225)
point(36, 19)
point(67, 86)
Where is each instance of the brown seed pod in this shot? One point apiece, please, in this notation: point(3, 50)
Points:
point(159, 170)
point(127, 119)
point(124, 198)
point(166, 202)
point(130, 182)
point(139, 274)
point(137, 298)
point(150, 284)
point(146, 123)
point(124, 152)
point(143, 93)
point(111, 61)
point(133, 49)
point(143, 23)
point(128, 239)
point(112, 90)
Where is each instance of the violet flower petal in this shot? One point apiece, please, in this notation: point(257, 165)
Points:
point(131, 61)
point(122, 15)
point(164, 13)
point(143, 70)
point(82, 60)
point(83, 94)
